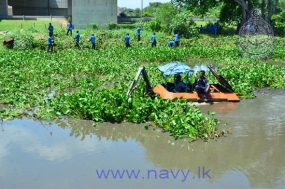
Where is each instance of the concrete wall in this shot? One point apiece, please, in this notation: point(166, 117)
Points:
point(100, 12)
point(3, 8)
point(39, 7)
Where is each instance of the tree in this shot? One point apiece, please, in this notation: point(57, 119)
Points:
point(122, 14)
point(279, 23)
point(243, 7)
point(164, 15)
point(231, 12)
point(137, 12)
point(152, 7)
point(198, 7)
point(280, 5)
point(179, 21)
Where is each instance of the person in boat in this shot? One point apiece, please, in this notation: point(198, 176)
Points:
point(202, 86)
point(179, 86)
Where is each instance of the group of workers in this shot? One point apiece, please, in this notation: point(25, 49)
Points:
point(50, 40)
point(212, 29)
point(173, 43)
point(92, 39)
point(201, 85)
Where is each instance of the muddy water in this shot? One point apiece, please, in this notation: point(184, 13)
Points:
point(66, 154)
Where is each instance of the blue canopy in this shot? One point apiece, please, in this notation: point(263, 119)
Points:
point(174, 68)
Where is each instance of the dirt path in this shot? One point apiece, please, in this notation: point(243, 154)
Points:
point(62, 23)
point(3, 32)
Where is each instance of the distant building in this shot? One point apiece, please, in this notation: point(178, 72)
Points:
point(82, 12)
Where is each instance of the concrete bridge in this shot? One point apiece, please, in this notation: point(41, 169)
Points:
point(82, 12)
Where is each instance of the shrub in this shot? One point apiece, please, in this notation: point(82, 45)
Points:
point(146, 14)
point(68, 19)
point(93, 26)
point(193, 32)
point(191, 14)
point(278, 23)
point(185, 28)
point(112, 26)
point(127, 26)
point(23, 41)
point(154, 25)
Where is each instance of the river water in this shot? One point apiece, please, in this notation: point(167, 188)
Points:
point(69, 154)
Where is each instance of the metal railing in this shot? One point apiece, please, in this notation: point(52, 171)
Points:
point(25, 17)
point(135, 19)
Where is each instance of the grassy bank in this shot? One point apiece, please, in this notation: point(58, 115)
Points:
point(15, 25)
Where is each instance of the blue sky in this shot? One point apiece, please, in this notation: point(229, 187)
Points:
point(137, 3)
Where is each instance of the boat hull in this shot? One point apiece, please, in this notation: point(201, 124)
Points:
point(192, 96)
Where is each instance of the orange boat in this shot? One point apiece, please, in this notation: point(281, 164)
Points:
point(219, 92)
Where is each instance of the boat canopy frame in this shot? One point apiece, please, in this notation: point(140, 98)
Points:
point(148, 87)
point(176, 68)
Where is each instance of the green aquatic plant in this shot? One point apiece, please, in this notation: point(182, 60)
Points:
point(92, 85)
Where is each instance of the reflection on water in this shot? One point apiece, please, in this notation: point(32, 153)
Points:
point(66, 154)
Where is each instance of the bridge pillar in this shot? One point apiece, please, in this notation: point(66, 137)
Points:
point(100, 12)
point(69, 8)
point(3, 7)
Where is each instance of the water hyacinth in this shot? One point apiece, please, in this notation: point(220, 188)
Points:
point(92, 85)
